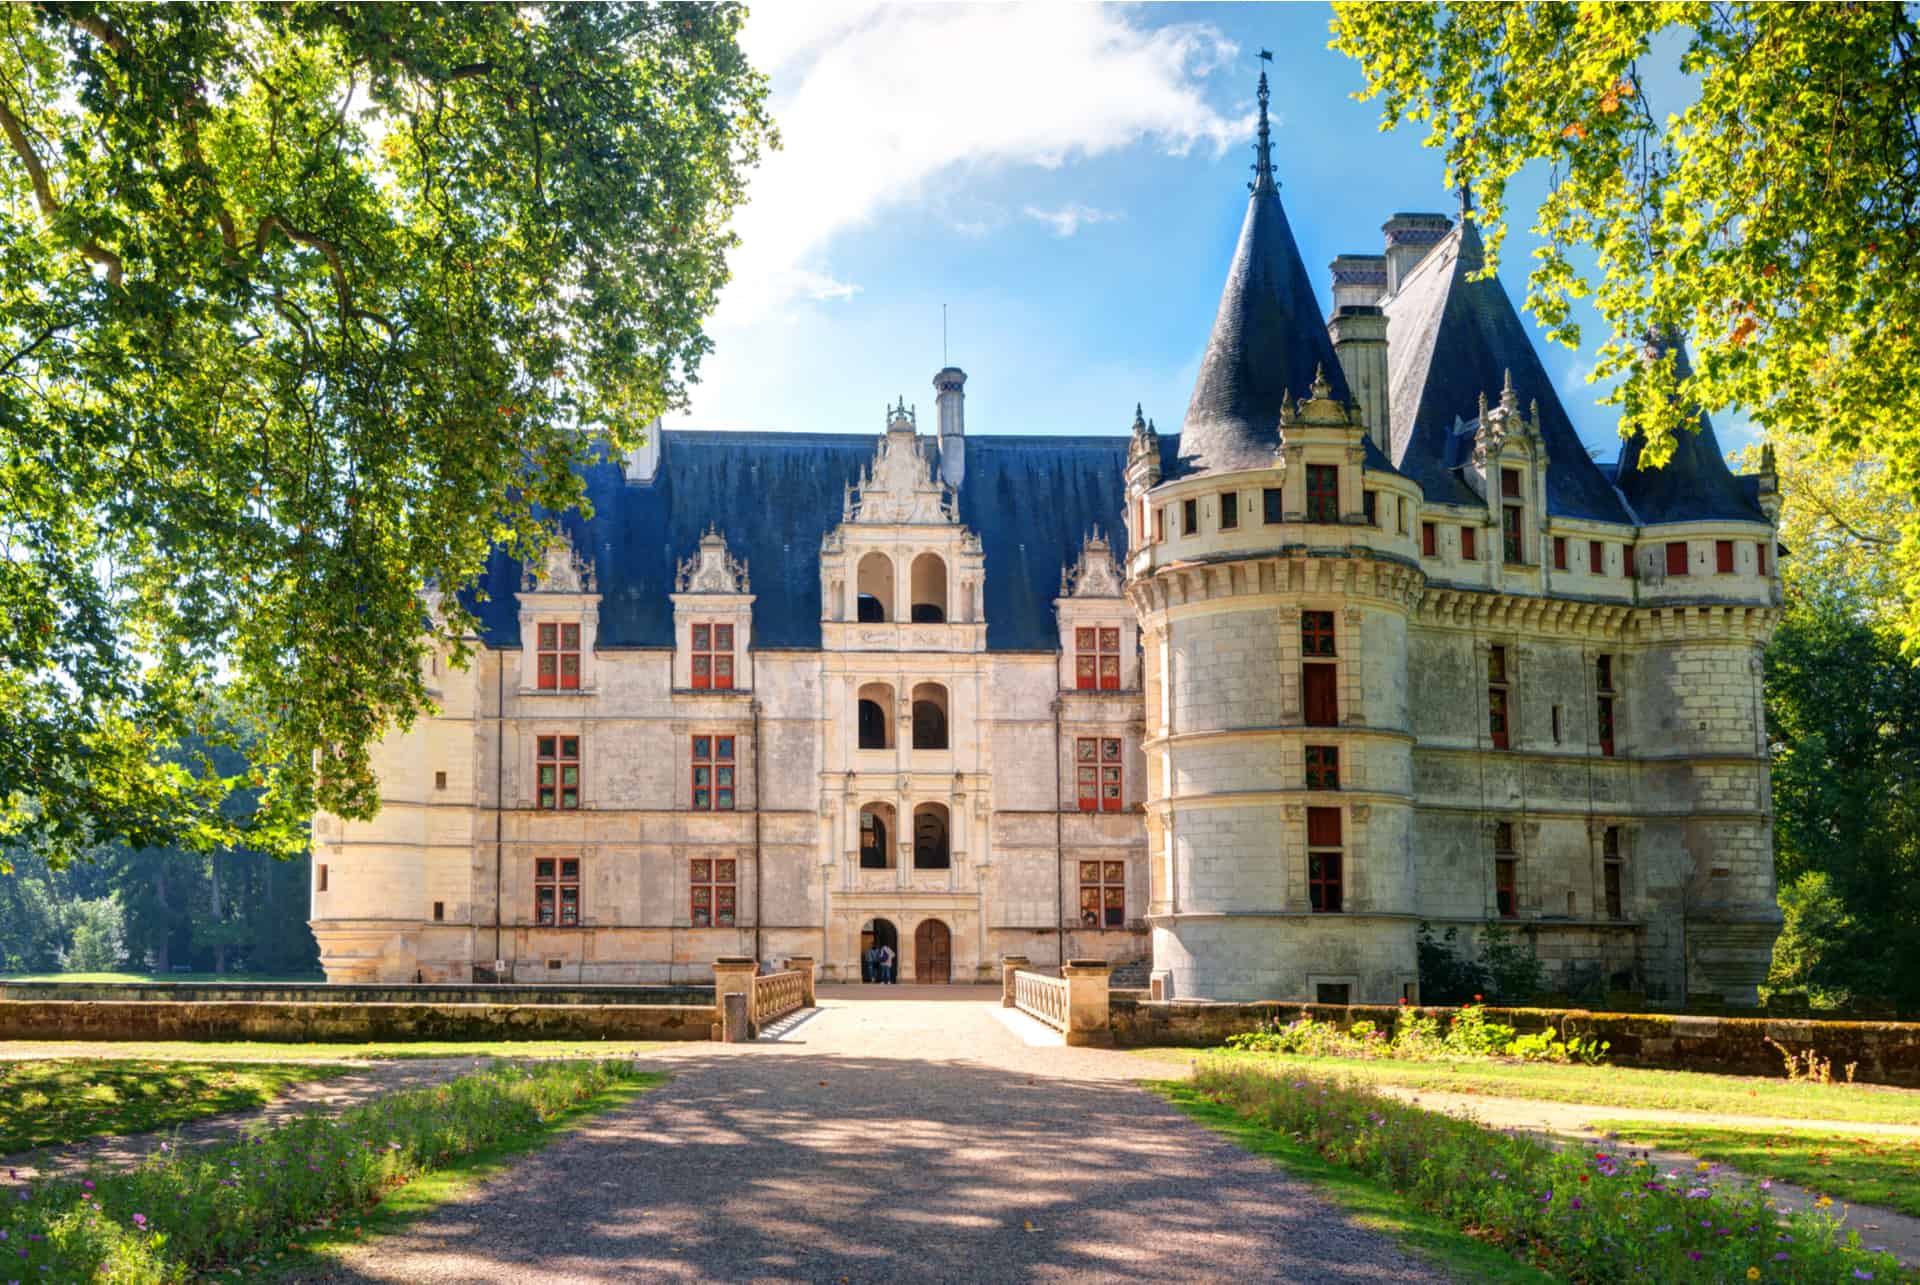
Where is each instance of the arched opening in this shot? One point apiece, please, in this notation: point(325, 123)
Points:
point(929, 589)
point(876, 836)
point(875, 589)
point(931, 849)
point(876, 717)
point(874, 966)
point(932, 953)
point(930, 717)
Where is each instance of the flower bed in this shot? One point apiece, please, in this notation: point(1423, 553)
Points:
point(1418, 1036)
point(1582, 1213)
point(183, 1213)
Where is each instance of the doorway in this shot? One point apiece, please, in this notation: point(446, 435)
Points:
point(932, 953)
point(874, 934)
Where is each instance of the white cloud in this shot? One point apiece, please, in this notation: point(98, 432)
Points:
point(1071, 217)
point(875, 101)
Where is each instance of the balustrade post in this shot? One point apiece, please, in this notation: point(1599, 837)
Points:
point(1087, 1022)
point(733, 975)
point(1009, 965)
point(803, 964)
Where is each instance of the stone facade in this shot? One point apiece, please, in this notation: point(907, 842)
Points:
point(1368, 644)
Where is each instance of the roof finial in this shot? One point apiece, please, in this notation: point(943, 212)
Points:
point(1263, 150)
point(1466, 199)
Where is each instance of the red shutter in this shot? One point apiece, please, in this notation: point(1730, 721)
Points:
point(1466, 544)
point(1596, 557)
point(1429, 541)
point(1677, 557)
point(1323, 827)
point(1559, 553)
point(1319, 698)
point(1723, 557)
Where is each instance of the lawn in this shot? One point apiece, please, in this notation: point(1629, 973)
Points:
point(1870, 1169)
point(1608, 1086)
point(54, 1101)
point(310, 1053)
point(196, 978)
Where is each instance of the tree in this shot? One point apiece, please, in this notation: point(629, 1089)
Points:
point(304, 309)
point(99, 942)
point(1773, 215)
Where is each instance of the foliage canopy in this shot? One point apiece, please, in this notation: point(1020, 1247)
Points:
point(303, 309)
point(1773, 217)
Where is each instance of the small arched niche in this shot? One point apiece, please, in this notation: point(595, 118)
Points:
point(930, 717)
point(931, 846)
point(876, 836)
point(929, 589)
point(874, 585)
point(876, 717)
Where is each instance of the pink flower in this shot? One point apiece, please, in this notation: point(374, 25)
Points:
point(139, 1220)
point(87, 1183)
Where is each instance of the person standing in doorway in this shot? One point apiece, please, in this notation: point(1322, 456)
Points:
point(886, 964)
point(866, 963)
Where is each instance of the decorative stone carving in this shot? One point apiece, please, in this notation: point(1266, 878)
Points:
point(560, 570)
point(899, 486)
point(712, 569)
point(1094, 575)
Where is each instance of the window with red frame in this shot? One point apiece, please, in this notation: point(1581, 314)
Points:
point(1603, 683)
point(715, 892)
point(1103, 894)
point(1323, 767)
point(1760, 557)
point(1511, 545)
point(713, 657)
point(1159, 525)
point(1316, 633)
point(1229, 510)
point(1723, 557)
point(1469, 545)
point(557, 769)
point(1596, 557)
point(1510, 483)
point(1324, 885)
point(1319, 695)
point(1676, 557)
point(1612, 866)
point(1370, 507)
point(1323, 493)
point(1098, 770)
point(1429, 540)
point(558, 656)
point(1096, 659)
point(1506, 867)
point(556, 892)
point(1497, 723)
point(1271, 511)
point(713, 774)
point(1559, 553)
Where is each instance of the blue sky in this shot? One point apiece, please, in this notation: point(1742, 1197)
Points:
point(1068, 180)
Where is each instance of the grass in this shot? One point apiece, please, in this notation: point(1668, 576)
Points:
point(267, 1051)
point(313, 1253)
point(1370, 1204)
point(1613, 1086)
point(237, 1207)
point(55, 1101)
point(1869, 1169)
point(217, 978)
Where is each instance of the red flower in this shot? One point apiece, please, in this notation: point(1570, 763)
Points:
point(1476, 999)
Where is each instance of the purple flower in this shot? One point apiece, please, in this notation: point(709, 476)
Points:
point(1576, 1202)
point(1766, 1184)
point(1694, 1254)
point(1548, 1198)
point(139, 1220)
point(1861, 1274)
point(1698, 1193)
point(87, 1183)
point(1782, 1256)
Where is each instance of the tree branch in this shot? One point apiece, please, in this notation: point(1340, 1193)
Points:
point(43, 191)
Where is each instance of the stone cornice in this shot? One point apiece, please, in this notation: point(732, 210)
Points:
point(1353, 572)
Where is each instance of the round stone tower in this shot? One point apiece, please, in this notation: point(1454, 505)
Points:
point(1273, 566)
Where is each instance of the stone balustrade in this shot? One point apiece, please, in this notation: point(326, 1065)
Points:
point(776, 995)
point(1042, 997)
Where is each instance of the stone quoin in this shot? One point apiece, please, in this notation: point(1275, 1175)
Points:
point(1370, 642)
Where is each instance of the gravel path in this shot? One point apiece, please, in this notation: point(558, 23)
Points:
point(324, 1096)
point(889, 1138)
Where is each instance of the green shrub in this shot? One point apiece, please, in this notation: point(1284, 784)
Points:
point(184, 1213)
point(1416, 1037)
point(1585, 1213)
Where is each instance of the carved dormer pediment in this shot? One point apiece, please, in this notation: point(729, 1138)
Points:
point(899, 486)
point(712, 569)
point(559, 570)
point(1094, 574)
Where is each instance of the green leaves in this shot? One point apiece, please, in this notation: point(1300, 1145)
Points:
point(1764, 204)
point(303, 309)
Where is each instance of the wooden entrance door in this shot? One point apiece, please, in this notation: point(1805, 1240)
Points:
point(932, 952)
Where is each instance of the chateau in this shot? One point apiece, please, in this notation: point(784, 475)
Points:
point(1370, 642)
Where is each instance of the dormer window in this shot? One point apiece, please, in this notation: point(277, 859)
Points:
point(713, 657)
point(559, 656)
point(1323, 493)
point(1096, 662)
point(1511, 547)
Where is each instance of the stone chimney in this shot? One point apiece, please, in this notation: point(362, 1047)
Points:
point(951, 399)
point(1409, 237)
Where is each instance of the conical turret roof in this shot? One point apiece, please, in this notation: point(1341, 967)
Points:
point(1268, 339)
point(1695, 485)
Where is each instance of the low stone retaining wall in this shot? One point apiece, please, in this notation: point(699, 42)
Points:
point(327, 993)
point(348, 1022)
point(1886, 1052)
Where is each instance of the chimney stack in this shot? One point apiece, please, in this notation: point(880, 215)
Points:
point(1359, 333)
point(1409, 237)
point(951, 400)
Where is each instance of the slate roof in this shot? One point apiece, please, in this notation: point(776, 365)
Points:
point(1268, 340)
point(1451, 339)
point(1695, 485)
point(1031, 500)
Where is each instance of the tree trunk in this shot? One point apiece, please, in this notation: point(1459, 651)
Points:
point(219, 919)
point(162, 958)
